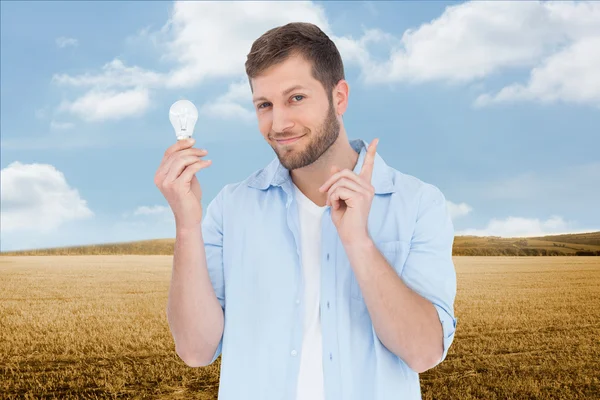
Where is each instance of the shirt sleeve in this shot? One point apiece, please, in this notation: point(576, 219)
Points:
point(212, 233)
point(429, 269)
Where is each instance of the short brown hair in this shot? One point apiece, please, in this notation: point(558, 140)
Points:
point(304, 39)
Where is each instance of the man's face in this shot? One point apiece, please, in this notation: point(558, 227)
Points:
point(290, 103)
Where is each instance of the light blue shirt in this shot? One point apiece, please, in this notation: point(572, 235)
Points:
point(252, 240)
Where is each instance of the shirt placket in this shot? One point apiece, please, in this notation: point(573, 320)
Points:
point(297, 329)
point(331, 366)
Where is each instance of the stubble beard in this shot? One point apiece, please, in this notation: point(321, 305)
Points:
point(320, 142)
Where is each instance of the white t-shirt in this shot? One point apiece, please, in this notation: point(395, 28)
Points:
point(310, 377)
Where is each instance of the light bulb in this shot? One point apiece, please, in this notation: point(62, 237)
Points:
point(183, 116)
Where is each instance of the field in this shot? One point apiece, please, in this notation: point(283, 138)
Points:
point(574, 244)
point(95, 327)
point(558, 245)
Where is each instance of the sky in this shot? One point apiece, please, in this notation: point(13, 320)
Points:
point(495, 103)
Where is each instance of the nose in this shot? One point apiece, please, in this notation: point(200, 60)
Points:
point(281, 120)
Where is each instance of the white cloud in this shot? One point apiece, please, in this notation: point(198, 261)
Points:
point(212, 39)
point(458, 210)
point(227, 110)
point(468, 42)
point(37, 198)
point(358, 51)
point(99, 105)
point(145, 216)
point(571, 75)
point(197, 33)
point(232, 103)
point(62, 42)
point(117, 92)
point(115, 74)
point(152, 210)
point(523, 227)
point(474, 40)
point(202, 40)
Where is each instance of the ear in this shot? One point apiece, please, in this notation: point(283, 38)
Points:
point(340, 96)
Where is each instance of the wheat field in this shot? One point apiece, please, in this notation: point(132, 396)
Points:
point(95, 327)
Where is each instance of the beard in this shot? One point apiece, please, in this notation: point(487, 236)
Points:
point(320, 142)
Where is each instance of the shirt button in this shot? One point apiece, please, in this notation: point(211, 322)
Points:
point(297, 301)
point(327, 256)
point(294, 353)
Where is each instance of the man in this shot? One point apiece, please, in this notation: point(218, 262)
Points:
point(325, 275)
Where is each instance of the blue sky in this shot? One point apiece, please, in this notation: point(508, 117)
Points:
point(497, 104)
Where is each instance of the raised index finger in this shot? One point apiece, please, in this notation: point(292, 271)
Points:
point(367, 168)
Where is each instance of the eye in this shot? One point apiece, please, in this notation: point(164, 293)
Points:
point(298, 95)
point(262, 104)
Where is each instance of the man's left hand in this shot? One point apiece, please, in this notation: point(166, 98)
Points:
point(350, 196)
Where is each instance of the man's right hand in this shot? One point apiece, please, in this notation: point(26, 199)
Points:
point(176, 180)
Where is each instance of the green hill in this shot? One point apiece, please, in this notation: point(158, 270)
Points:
point(577, 244)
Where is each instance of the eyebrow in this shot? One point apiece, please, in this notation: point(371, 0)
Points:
point(285, 92)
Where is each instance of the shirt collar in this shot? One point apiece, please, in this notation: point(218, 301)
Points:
point(275, 174)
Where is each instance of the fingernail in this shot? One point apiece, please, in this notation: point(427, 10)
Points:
point(191, 140)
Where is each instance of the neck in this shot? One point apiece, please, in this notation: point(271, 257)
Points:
point(308, 179)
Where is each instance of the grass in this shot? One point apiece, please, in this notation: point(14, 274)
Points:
point(528, 329)
point(95, 327)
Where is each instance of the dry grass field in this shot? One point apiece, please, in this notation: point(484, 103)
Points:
point(95, 327)
point(573, 244)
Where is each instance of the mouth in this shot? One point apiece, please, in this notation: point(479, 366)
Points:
point(289, 140)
